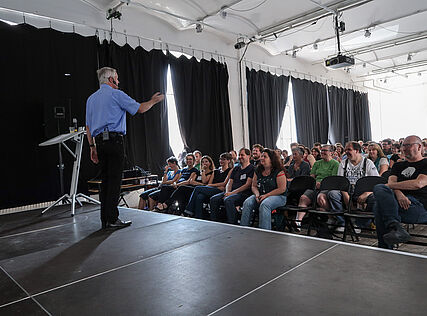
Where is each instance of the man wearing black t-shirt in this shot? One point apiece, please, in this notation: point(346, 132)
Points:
point(237, 190)
point(404, 197)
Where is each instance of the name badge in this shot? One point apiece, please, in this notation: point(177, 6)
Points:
point(243, 176)
point(199, 178)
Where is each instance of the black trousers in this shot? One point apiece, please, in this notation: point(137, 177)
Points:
point(182, 195)
point(111, 159)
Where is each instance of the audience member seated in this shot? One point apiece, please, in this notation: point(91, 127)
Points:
point(377, 156)
point(317, 145)
point(188, 174)
point(170, 175)
point(197, 156)
point(285, 156)
point(354, 167)
point(316, 153)
point(202, 194)
point(257, 149)
point(397, 154)
point(238, 189)
point(321, 169)
point(298, 167)
point(235, 161)
point(308, 157)
point(386, 147)
point(183, 192)
point(339, 152)
point(404, 198)
point(269, 190)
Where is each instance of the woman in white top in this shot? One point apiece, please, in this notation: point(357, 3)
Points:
point(377, 156)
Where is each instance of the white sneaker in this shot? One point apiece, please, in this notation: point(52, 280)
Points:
point(340, 229)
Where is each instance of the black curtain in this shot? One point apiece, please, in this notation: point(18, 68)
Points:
point(141, 74)
point(362, 117)
point(267, 97)
point(202, 104)
point(34, 63)
point(349, 115)
point(311, 111)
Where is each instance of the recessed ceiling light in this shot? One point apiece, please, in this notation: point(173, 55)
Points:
point(368, 33)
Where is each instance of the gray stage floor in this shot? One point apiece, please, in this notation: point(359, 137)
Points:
point(168, 265)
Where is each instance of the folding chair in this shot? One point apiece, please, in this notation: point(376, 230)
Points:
point(364, 184)
point(296, 188)
point(316, 215)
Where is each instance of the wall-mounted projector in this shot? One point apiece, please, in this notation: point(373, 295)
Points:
point(339, 61)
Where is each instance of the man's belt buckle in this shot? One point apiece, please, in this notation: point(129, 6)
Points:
point(105, 135)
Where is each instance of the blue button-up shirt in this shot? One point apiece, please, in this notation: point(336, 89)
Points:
point(106, 110)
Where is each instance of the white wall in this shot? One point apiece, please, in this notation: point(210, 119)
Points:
point(399, 114)
point(136, 22)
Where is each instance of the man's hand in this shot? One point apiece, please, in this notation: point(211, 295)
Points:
point(227, 194)
point(362, 198)
point(403, 201)
point(157, 97)
point(94, 155)
point(318, 185)
point(261, 198)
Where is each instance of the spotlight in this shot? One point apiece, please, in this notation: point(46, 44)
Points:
point(223, 14)
point(364, 65)
point(315, 46)
point(385, 80)
point(419, 74)
point(240, 44)
point(199, 28)
point(367, 33)
point(409, 57)
point(348, 70)
point(294, 54)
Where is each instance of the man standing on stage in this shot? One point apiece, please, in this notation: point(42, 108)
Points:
point(105, 126)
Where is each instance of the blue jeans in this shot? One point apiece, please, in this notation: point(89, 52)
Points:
point(387, 210)
point(230, 203)
point(335, 199)
point(265, 208)
point(200, 195)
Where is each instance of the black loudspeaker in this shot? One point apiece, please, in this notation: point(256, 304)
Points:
point(59, 112)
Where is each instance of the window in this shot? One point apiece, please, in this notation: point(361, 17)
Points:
point(288, 133)
point(175, 139)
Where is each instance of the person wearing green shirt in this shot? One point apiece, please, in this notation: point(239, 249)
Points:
point(323, 168)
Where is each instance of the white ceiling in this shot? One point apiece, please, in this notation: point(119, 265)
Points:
point(389, 21)
point(398, 28)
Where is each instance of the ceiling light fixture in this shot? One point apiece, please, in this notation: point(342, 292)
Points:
point(367, 33)
point(199, 28)
point(315, 46)
point(409, 58)
point(364, 65)
point(294, 54)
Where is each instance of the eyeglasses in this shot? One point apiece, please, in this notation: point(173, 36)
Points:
point(410, 144)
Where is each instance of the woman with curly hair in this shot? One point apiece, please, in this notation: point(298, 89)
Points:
point(268, 188)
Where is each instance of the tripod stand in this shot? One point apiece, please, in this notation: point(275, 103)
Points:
point(73, 196)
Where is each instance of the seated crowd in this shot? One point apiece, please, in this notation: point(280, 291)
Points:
point(249, 183)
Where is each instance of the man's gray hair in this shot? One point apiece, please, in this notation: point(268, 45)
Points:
point(105, 73)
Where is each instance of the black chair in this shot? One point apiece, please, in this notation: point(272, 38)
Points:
point(317, 216)
point(296, 188)
point(364, 184)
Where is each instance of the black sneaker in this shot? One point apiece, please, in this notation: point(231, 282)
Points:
point(396, 235)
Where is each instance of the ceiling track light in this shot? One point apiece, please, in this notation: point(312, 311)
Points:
point(409, 58)
point(364, 65)
point(315, 46)
point(199, 28)
point(294, 54)
point(367, 33)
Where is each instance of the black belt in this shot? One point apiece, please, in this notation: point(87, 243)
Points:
point(111, 135)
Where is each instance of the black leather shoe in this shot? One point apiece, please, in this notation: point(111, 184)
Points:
point(396, 235)
point(118, 224)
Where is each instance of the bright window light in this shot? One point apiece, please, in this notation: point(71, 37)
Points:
point(175, 138)
point(288, 132)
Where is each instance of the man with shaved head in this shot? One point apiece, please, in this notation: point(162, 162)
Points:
point(404, 197)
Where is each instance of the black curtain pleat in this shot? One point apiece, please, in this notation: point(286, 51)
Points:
point(141, 74)
point(311, 111)
point(349, 115)
point(362, 117)
point(34, 63)
point(202, 104)
point(267, 96)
